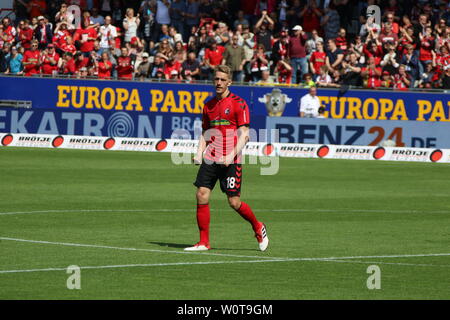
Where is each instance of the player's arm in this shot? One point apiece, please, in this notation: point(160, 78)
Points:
point(198, 158)
point(200, 149)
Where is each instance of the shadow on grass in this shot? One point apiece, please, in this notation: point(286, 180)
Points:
point(182, 246)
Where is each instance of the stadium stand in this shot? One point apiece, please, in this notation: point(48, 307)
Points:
point(327, 42)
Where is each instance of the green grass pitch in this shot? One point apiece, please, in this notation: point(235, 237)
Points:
point(93, 208)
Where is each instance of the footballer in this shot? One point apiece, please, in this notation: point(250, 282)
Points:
point(226, 124)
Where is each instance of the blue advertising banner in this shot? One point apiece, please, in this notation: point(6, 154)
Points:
point(180, 98)
point(155, 110)
point(360, 132)
point(355, 104)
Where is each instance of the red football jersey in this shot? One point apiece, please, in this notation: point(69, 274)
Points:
point(223, 117)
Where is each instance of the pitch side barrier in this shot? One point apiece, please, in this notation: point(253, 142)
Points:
point(182, 150)
point(81, 107)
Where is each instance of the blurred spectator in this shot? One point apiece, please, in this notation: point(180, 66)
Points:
point(263, 31)
point(14, 62)
point(324, 79)
point(266, 79)
point(104, 66)
point(124, 66)
point(284, 70)
point(280, 48)
point(157, 68)
point(258, 63)
point(334, 56)
point(80, 61)
point(297, 53)
point(330, 22)
point(234, 57)
point(179, 54)
point(213, 57)
point(31, 59)
point(43, 33)
point(311, 15)
point(67, 64)
point(4, 55)
point(351, 71)
point(309, 104)
point(162, 15)
point(25, 34)
point(49, 60)
point(317, 60)
point(172, 69)
point(371, 74)
point(401, 79)
point(9, 31)
point(390, 60)
point(37, 8)
point(191, 17)
point(143, 68)
point(177, 12)
point(147, 10)
point(107, 34)
point(96, 17)
point(386, 80)
point(190, 69)
point(85, 36)
point(130, 25)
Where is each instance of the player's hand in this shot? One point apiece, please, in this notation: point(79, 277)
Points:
point(227, 160)
point(197, 161)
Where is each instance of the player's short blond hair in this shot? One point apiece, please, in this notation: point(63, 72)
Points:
point(224, 69)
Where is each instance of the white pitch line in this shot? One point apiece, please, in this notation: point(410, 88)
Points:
point(216, 262)
point(392, 263)
point(256, 210)
point(263, 258)
point(132, 249)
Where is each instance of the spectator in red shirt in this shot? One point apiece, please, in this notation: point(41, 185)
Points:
point(37, 8)
point(67, 64)
point(49, 60)
point(69, 46)
point(26, 35)
point(311, 15)
point(61, 34)
point(387, 35)
point(390, 19)
point(213, 57)
point(172, 69)
point(284, 71)
point(124, 66)
point(341, 40)
point(104, 67)
point(80, 61)
point(9, 32)
point(426, 46)
point(258, 63)
point(86, 37)
point(407, 38)
point(372, 73)
point(373, 49)
point(31, 60)
point(318, 59)
point(401, 79)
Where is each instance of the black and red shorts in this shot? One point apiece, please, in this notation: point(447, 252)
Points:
point(230, 177)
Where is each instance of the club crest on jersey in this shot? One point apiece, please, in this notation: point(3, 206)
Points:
point(227, 111)
point(275, 102)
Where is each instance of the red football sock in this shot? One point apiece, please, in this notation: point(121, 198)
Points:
point(248, 215)
point(203, 218)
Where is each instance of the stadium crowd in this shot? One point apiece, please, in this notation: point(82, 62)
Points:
point(310, 42)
